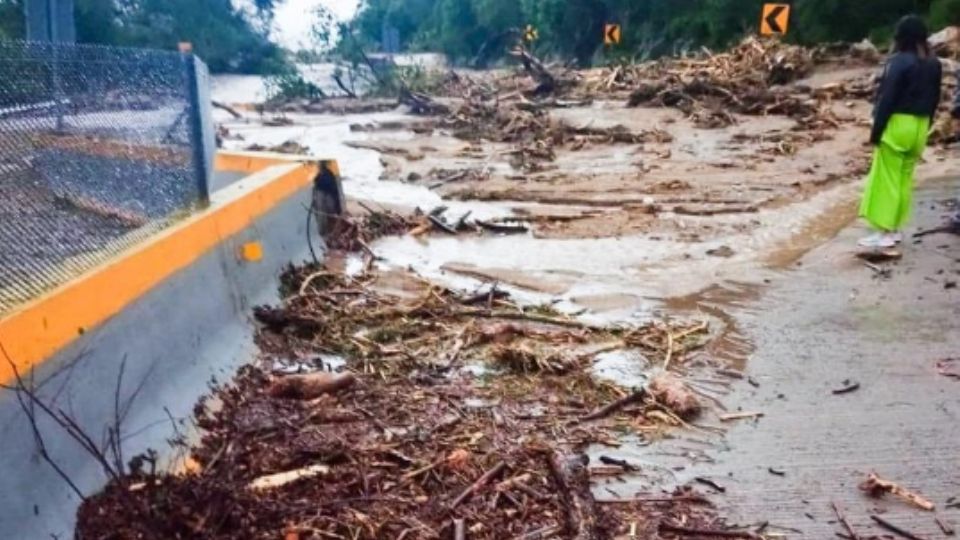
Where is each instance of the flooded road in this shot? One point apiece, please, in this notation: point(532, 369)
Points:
point(793, 313)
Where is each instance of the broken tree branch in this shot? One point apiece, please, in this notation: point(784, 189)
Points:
point(894, 528)
point(634, 397)
point(482, 481)
point(716, 533)
point(843, 521)
point(233, 112)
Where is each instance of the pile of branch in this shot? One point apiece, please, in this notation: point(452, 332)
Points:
point(399, 444)
point(749, 79)
point(534, 133)
point(355, 233)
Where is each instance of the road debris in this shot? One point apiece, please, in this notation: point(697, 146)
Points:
point(622, 463)
point(739, 416)
point(272, 481)
point(675, 395)
point(843, 521)
point(878, 271)
point(708, 533)
point(743, 80)
point(894, 528)
point(310, 385)
point(949, 367)
point(880, 255)
point(713, 485)
point(945, 526)
point(286, 147)
point(847, 387)
point(355, 233)
point(876, 487)
point(407, 443)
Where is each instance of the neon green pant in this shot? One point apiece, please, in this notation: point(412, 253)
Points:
point(888, 196)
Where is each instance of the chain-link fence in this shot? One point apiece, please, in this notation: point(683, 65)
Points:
point(99, 148)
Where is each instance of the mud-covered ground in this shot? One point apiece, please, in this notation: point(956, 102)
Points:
point(665, 221)
point(606, 189)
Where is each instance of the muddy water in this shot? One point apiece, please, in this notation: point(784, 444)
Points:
point(588, 272)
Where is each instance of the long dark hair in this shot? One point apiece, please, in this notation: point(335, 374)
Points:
point(911, 36)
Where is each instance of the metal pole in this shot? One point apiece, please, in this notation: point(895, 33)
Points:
point(196, 124)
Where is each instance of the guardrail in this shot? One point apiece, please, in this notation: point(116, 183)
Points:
point(100, 147)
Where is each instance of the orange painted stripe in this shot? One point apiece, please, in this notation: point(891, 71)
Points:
point(39, 329)
point(250, 162)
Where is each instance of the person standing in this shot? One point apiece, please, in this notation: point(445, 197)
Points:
point(906, 104)
point(955, 114)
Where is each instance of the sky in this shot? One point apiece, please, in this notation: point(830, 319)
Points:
point(294, 18)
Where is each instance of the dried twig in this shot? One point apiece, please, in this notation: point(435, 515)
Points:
point(717, 533)
point(843, 521)
point(894, 528)
point(634, 397)
point(482, 481)
point(739, 416)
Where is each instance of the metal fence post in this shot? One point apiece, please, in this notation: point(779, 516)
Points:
point(200, 128)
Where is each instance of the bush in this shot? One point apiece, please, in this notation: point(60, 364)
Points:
point(291, 85)
point(944, 13)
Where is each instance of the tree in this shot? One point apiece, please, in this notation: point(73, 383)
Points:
point(573, 29)
point(221, 34)
point(944, 13)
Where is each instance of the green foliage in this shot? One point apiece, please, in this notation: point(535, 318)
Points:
point(226, 38)
point(222, 35)
point(944, 13)
point(572, 29)
point(843, 20)
point(291, 85)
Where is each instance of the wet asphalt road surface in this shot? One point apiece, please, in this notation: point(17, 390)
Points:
point(823, 324)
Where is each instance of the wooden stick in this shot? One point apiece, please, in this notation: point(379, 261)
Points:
point(513, 481)
point(719, 533)
point(669, 354)
point(944, 526)
point(486, 477)
point(612, 407)
point(539, 534)
point(459, 529)
point(233, 112)
point(844, 522)
point(696, 499)
point(739, 416)
point(511, 315)
point(894, 529)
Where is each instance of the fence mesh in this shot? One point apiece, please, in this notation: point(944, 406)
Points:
point(98, 149)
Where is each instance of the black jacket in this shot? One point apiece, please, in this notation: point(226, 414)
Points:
point(955, 111)
point(910, 85)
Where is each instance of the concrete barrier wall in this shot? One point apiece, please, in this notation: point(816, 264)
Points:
point(175, 311)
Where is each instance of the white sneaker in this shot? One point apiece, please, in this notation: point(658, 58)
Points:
point(896, 236)
point(877, 240)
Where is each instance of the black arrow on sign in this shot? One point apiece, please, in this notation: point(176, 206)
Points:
point(611, 33)
point(772, 19)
